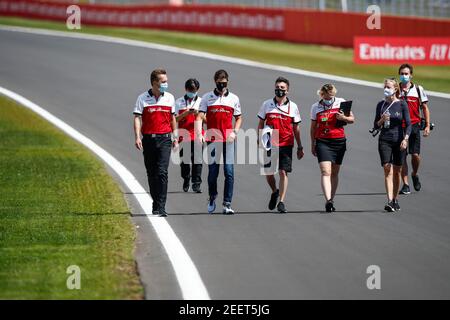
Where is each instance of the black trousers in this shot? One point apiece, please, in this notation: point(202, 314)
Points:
point(156, 158)
point(192, 170)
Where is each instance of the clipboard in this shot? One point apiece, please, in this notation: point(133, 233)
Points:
point(345, 107)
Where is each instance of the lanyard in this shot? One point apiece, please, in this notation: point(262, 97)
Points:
point(387, 109)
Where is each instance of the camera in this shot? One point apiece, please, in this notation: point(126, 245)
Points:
point(423, 124)
point(374, 132)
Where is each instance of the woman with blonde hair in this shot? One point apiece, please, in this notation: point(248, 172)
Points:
point(328, 141)
point(390, 115)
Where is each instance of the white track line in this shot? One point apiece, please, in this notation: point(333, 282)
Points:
point(189, 280)
point(205, 55)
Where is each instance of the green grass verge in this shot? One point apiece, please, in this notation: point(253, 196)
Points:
point(59, 207)
point(325, 59)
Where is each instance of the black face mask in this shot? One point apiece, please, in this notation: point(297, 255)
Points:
point(221, 85)
point(280, 93)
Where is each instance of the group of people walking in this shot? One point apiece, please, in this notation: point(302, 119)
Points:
point(158, 118)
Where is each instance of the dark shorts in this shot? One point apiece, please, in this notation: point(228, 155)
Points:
point(414, 139)
point(390, 153)
point(285, 158)
point(331, 150)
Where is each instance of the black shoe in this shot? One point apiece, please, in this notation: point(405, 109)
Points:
point(416, 183)
point(281, 207)
point(396, 205)
point(405, 189)
point(162, 213)
point(389, 207)
point(155, 210)
point(186, 185)
point(196, 188)
point(329, 206)
point(273, 199)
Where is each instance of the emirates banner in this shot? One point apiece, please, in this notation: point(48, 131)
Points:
point(395, 50)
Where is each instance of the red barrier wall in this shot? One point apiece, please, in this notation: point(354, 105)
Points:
point(302, 26)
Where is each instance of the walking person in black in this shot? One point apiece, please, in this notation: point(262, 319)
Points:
point(154, 119)
point(393, 140)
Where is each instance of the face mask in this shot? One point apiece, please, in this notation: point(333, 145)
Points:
point(191, 95)
point(328, 102)
point(404, 78)
point(221, 85)
point(280, 93)
point(388, 92)
point(163, 87)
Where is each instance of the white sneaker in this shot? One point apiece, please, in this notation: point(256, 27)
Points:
point(227, 209)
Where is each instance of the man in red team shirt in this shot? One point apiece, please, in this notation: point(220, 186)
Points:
point(417, 101)
point(154, 119)
point(281, 114)
point(220, 107)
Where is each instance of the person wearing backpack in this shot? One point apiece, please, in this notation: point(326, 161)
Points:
point(417, 100)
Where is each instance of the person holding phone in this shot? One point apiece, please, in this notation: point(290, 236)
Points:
point(393, 141)
point(328, 140)
point(186, 114)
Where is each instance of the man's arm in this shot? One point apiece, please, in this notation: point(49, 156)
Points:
point(296, 128)
point(173, 124)
point(260, 127)
point(426, 115)
point(137, 131)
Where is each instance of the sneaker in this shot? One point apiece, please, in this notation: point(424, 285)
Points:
point(155, 210)
point(227, 209)
point(329, 206)
point(405, 189)
point(396, 205)
point(281, 207)
point(186, 185)
point(416, 183)
point(212, 205)
point(196, 188)
point(273, 199)
point(389, 207)
point(162, 213)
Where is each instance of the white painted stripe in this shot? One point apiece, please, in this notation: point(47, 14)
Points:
point(205, 55)
point(189, 279)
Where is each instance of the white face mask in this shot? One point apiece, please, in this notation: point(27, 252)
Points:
point(388, 92)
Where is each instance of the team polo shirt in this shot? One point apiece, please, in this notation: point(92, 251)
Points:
point(414, 101)
point(220, 110)
point(184, 104)
point(325, 117)
point(156, 112)
point(281, 118)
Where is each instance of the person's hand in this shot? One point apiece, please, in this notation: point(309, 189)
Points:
point(231, 137)
point(175, 144)
point(404, 144)
point(300, 154)
point(313, 150)
point(200, 139)
point(340, 116)
point(426, 131)
point(138, 144)
point(384, 117)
